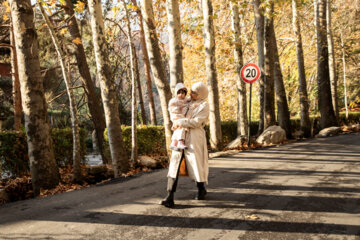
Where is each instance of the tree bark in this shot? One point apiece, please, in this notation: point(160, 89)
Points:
point(72, 100)
point(269, 106)
point(344, 75)
point(157, 66)
point(332, 63)
point(242, 120)
point(147, 70)
point(134, 71)
point(43, 167)
point(175, 44)
point(108, 94)
point(141, 101)
point(327, 116)
point(211, 75)
point(305, 123)
point(259, 22)
point(94, 104)
point(16, 83)
point(283, 113)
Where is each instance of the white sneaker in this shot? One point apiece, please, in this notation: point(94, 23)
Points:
point(174, 148)
point(181, 145)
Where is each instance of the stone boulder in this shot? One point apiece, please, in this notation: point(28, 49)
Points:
point(238, 142)
point(147, 161)
point(272, 135)
point(95, 174)
point(327, 132)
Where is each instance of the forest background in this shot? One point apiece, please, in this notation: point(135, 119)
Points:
point(345, 32)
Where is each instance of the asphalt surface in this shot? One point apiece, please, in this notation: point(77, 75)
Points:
point(303, 190)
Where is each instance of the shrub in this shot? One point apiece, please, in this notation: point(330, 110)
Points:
point(151, 139)
point(14, 153)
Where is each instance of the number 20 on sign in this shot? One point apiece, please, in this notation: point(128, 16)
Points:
point(250, 73)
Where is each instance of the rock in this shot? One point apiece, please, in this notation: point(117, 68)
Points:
point(95, 174)
point(147, 161)
point(355, 127)
point(4, 198)
point(326, 132)
point(299, 134)
point(272, 135)
point(238, 142)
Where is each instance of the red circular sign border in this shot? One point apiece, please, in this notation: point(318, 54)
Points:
point(250, 65)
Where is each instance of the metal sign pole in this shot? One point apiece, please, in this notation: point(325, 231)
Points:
point(249, 116)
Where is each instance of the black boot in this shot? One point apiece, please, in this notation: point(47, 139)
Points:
point(201, 191)
point(169, 200)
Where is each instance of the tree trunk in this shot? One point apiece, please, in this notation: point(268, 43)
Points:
point(141, 101)
point(242, 121)
point(157, 66)
point(108, 94)
point(16, 83)
point(134, 71)
point(332, 63)
point(327, 116)
point(175, 44)
point(43, 167)
point(72, 101)
point(344, 74)
point(283, 113)
point(269, 107)
point(211, 74)
point(259, 22)
point(305, 123)
point(147, 70)
point(94, 104)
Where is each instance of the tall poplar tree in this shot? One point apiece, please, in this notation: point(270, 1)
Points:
point(43, 167)
point(107, 85)
point(327, 115)
point(152, 111)
point(259, 23)
point(211, 75)
point(72, 101)
point(242, 121)
point(332, 62)
point(95, 108)
point(16, 82)
point(134, 76)
point(305, 124)
point(157, 66)
point(175, 44)
point(269, 105)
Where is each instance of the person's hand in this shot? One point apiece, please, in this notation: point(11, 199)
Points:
point(176, 125)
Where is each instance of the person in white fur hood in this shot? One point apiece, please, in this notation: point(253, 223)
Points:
point(178, 107)
point(196, 155)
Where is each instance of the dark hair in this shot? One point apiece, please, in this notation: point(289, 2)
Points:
point(182, 90)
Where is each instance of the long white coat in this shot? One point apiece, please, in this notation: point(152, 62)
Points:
point(197, 154)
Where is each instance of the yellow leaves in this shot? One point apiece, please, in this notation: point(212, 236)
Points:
point(77, 41)
point(115, 9)
point(52, 3)
point(79, 7)
point(7, 11)
point(63, 31)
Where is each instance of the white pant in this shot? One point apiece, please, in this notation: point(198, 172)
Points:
point(179, 134)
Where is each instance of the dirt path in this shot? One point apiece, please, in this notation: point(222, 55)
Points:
point(303, 190)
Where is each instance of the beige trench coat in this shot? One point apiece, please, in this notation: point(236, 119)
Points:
point(197, 154)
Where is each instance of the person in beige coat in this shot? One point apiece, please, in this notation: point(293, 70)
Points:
point(196, 155)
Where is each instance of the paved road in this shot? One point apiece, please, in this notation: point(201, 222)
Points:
point(303, 190)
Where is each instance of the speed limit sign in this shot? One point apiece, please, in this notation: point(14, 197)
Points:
point(250, 73)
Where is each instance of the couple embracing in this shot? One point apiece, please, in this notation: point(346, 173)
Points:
point(189, 116)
